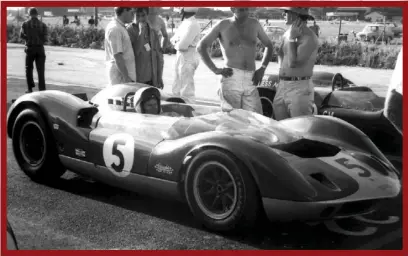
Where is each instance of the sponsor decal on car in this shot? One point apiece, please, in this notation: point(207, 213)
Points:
point(163, 169)
point(80, 152)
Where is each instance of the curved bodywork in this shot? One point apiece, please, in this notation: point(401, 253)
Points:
point(358, 105)
point(318, 164)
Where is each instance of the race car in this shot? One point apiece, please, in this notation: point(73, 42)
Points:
point(335, 95)
point(229, 167)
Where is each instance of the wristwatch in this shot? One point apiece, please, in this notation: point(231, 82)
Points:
point(263, 66)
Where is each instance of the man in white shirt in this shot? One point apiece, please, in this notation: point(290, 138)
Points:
point(393, 101)
point(119, 53)
point(187, 58)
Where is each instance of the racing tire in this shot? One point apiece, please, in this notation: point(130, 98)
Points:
point(267, 96)
point(34, 147)
point(216, 180)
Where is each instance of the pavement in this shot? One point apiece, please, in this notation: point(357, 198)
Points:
point(86, 67)
point(77, 213)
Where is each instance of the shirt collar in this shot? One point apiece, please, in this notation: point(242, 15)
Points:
point(120, 22)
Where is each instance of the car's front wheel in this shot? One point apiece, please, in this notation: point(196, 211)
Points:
point(221, 193)
point(34, 148)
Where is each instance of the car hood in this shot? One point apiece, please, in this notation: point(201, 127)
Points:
point(237, 122)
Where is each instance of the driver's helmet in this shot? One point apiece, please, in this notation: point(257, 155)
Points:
point(144, 94)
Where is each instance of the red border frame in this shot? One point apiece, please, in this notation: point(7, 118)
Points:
point(87, 3)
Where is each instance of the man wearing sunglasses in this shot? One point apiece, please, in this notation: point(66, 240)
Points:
point(119, 53)
point(296, 58)
point(146, 47)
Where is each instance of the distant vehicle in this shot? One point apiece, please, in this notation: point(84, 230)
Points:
point(274, 32)
point(337, 21)
point(372, 32)
point(397, 30)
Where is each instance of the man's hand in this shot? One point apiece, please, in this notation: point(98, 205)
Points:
point(296, 30)
point(258, 75)
point(225, 72)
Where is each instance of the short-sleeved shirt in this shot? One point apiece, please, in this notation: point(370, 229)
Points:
point(34, 32)
point(117, 40)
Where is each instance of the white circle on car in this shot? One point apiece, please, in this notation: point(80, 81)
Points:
point(118, 153)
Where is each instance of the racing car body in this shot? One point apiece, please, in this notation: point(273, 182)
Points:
point(228, 166)
point(334, 95)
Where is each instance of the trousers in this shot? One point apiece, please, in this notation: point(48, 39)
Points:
point(293, 98)
point(238, 91)
point(186, 65)
point(35, 54)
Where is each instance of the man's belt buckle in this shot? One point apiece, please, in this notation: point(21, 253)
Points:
point(294, 78)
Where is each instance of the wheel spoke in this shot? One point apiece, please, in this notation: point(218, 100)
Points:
point(209, 181)
point(215, 200)
point(229, 196)
point(229, 185)
point(211, 191)
point(225, 205)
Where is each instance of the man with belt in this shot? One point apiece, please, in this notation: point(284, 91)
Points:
point(34, 32)
point(187, 58)
point(238, 37)
point(296, 58)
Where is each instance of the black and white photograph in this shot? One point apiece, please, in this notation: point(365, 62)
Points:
point(204, 128)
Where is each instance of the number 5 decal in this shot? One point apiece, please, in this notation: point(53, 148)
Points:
point(118, 154)
point(345, 162)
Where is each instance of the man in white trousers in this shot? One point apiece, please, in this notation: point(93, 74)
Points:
point(187, 58)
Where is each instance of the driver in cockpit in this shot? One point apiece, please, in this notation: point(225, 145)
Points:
point(147, 101)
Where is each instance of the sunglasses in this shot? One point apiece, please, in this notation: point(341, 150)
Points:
point(140, 14)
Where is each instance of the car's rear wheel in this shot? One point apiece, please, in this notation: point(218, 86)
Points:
point(34, 147)
point(220, 192)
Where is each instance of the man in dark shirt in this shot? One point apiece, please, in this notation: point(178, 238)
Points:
point(91, 21)
point(34, 32)
point(65, 21)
